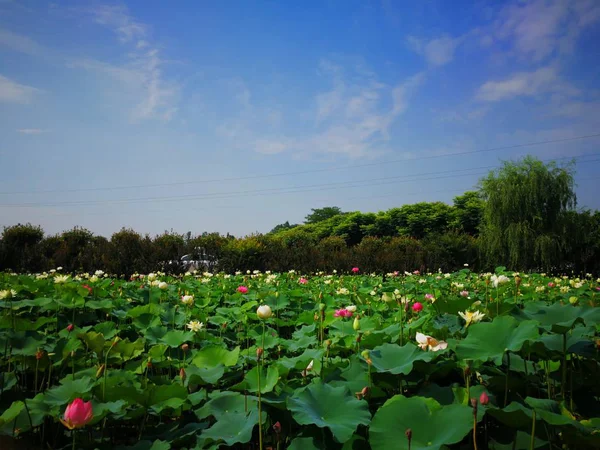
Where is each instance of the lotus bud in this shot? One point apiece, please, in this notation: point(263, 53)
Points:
point(39, 354)
point(484, 399)
point(182, 374)
point(365, 354)
point(70, 327)
point(264, 312)
point(259, 352)
point(277, 427)
point(356, 324)
point(518, 281)
point(365, 391)
point(100, 371)
point(322, 306)
point(327, 343)
point(408, 434)
point(116, 339)
point(185, 348)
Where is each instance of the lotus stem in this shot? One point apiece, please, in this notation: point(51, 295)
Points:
point(532, 442)
point(507, 374)
point(563, 384)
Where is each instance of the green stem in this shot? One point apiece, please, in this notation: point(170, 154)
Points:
point(73, 434)
point(563, 383)
point(532, 442)
point(506, 382)
point(401, 324)
point(259, 367)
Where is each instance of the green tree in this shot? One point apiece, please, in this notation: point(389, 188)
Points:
point(20, 248)
point(282, 227)
point(321, 214)
point(468, 212)
point(524, 217)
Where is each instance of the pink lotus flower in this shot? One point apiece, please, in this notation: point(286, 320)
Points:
point(464, 293)
point(342, 313)
point(429, 297)
point(70, 327)
point(303, 281)
point(242, 289)
point(78, 414)
point(417, 307)
point(416, 272)
point(551, 284)
point(484, 399)
point(396, 273)
point(598, 288)
point(355, 270)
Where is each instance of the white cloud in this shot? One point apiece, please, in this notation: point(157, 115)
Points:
point(31, 131)
point(19, 43)
point(352, 119)
point(143, 75)
point(13, 92)
point(543, 80)
point(438, 51)
point(541, 28)
point(118, 19)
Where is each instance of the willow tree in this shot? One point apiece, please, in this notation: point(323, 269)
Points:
point(524, 217)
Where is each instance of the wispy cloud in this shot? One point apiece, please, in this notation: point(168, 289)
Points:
point(543, 80)
point(542, 28)
point(118, 19)
point(19, 43)
point(352, 119)
point(438, 51)
point(143, 75)
point(13, 92)
point(31, 131)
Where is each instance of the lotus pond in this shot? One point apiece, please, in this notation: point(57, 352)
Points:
point(352, 361)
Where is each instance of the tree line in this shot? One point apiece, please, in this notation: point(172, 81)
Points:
point(524, 216)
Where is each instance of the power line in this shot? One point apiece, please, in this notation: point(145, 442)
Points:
point(274, 191)
point(281, 174)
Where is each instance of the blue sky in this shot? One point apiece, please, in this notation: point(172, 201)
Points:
point(237, 116)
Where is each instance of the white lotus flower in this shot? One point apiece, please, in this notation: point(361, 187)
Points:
point(59, 279)
point(163, 285)
point(351, 308)
point(471, 317)
point(187, 299)
point(429, 343)
point(195, 325)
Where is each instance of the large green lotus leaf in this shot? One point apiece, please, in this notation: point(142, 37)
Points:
point(432, 425)
point(515, 415)
point(93, 341)
point(355, 376)
point(213, 356)
point(101, 410)
point(395, 359)
point(551, 412)
point(578, 341)
point(27, 343)
point(293, 345)
point(225, 402)
point(201, 375)
point(160, 394)
point(152, 308)
point(490, 340)
point(234, 427)
point(175, 338)
point(125, 350)
point(329, 407)
point(559, 318)
point(12, 412)
point(69, 390)
point(304, 443)
point(99, 304)
point(268, 379)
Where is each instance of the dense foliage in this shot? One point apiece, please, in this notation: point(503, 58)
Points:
point(337, 361)
point(523, 217)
